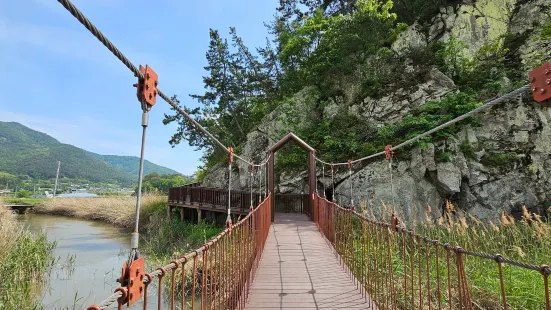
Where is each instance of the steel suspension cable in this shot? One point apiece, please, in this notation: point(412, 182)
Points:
point(391, 185)
point(134, 241)
point(265, 187)
point(350, 183)
point(251, 181)
point(454, 121)
point(230, 162)
point(259, 177)
point(111, 47)
point(323, 177)
point(333, 183)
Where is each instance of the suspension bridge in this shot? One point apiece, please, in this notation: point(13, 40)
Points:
point(320, 256)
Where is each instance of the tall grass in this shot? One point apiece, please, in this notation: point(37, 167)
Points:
point(25, 259)
point(161, 239)
point(32, 201)
point(526, 239)
point(173, 238)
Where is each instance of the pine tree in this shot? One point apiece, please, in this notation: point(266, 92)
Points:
point(240, 90)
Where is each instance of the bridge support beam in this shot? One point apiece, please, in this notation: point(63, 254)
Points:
point(270, 177)
point(311, 170)
point(312, 184)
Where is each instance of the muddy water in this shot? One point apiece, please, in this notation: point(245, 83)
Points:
point(89, 257)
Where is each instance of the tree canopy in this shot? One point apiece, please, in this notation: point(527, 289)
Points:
point(339, 52)
point(155, 183)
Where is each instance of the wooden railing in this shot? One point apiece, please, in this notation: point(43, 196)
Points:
point(214, 198)
point(217, 198)
point(291, 203)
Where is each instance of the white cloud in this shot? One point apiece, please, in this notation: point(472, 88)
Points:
point(74, 44)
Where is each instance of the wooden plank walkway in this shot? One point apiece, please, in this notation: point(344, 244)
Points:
point(299, 270)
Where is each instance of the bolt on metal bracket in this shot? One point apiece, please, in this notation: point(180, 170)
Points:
point(540, 80)
point(147, 88)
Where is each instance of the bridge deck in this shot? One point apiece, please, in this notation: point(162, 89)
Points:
point(298, 270)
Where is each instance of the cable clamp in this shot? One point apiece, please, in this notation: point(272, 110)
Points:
point(540, 81)
point(147, 87)
point(388, 152)
point(134, 240)
point(131, 281)
point(230, 155)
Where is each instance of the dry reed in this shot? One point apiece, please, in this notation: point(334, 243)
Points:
point(10, 230)
point(25, 259)
point(119, 211)
point(526, 239)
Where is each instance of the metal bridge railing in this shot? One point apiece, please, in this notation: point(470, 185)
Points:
point(220, 272)
point(291, 203)
point(400, 269)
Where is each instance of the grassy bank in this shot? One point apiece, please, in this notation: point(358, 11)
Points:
point(31, 201)
point(25, 259)
point(161, 239)
point(118, 211)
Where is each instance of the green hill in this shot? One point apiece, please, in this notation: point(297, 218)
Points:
point(24, 151)
point(131, 164)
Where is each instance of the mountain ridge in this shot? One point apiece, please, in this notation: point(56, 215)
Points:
point(130, 164)
point(25, 151)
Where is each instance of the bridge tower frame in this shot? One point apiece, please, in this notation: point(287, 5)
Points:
point(311, 170)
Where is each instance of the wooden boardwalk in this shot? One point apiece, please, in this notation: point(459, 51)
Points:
point(299, 270)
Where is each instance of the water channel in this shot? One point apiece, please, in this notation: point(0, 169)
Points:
point(89, 257)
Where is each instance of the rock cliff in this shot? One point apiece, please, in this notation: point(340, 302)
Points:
point(500, 165)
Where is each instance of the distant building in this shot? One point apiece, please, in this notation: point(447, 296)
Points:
point(77, 193)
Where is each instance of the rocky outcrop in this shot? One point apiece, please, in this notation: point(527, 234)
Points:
point(393, 107)
point(500, 165)
point(509, 166)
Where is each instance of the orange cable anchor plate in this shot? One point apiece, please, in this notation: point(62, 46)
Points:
point(133, 279)
point(147, 88)
point(540, 80)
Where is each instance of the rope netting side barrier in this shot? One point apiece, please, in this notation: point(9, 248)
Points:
point(400, 269)
point(217, 275)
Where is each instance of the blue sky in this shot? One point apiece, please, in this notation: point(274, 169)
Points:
point(58, 79)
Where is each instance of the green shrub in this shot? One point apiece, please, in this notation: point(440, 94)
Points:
point(500, 160)
point(467, 149)
point(430, 115)
point(444, 157)
point(172, 238)
point(23, 194)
